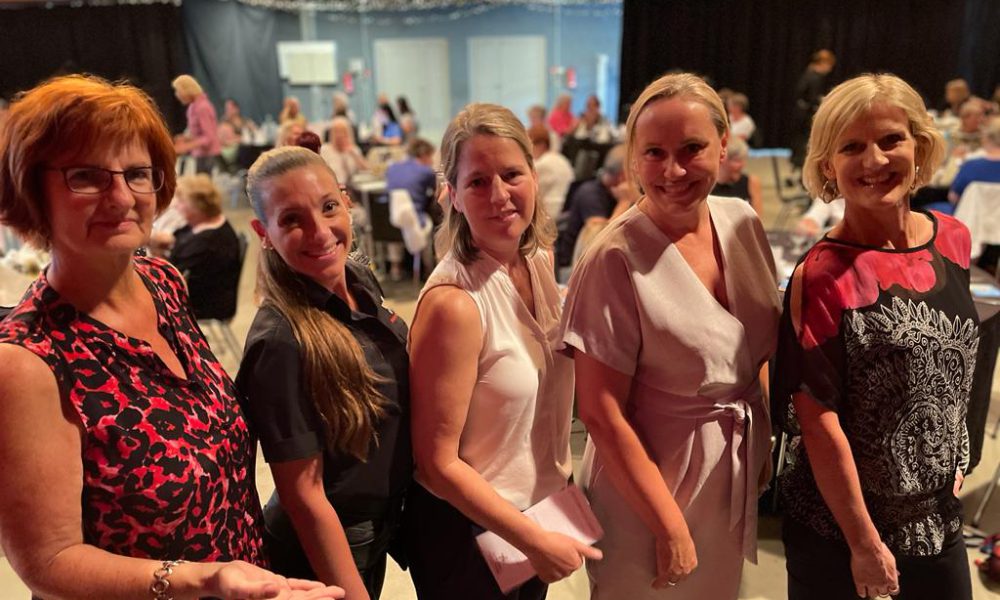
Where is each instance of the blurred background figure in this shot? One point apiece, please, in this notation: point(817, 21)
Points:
point(593, 199)
point(733, 182)
point(206, 250)
point(741, 124)
point(201, 139)
point(385, 126)
point(414, 175)
point(291, 112)
point(536, 118)
point(809, 91)
point(956, 92)
point(555, 173)
point(341, 153)
point(561, 119)
point(821, 216)
point(308, 140)
point(965, 140)
point(985, 167)
point(288, 133)
point(592, 125)
point(233, 115)
point(407, 120)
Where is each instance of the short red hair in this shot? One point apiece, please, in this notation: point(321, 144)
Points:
point(66, 117)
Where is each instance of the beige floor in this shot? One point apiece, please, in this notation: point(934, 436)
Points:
point(763, 581)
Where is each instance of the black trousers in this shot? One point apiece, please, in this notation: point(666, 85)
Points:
point(820, 569)
point(369, 542)
point(445, 562)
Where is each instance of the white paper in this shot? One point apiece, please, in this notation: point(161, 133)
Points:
point(566, 511)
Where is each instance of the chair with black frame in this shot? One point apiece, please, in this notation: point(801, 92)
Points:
point(794, 199)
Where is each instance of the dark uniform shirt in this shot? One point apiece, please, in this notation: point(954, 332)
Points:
point(287, 422)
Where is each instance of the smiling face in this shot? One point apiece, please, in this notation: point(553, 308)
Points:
point(495, 191)
point(677, 151)
point(117, 220)
point(873, 159)
point(307, 223)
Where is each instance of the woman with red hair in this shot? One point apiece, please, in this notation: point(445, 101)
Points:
point(128, 466)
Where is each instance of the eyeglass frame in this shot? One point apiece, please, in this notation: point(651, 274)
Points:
point(153, 171)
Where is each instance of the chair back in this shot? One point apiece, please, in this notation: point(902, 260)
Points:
point(979, 209)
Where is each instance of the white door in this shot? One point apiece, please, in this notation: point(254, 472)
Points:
point(418, 69)
point(508, 70)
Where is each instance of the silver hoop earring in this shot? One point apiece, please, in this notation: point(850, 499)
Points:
point(830, 190)
point(916, 175)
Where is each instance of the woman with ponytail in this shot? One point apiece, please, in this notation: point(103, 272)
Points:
point(324, 381)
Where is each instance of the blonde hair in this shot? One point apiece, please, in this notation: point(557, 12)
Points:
point(338, 379)
point(674, 85)
point(485, 119)
point(201, 193)
point(852, 99)
point(187, 85)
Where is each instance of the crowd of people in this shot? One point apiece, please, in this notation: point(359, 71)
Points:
point(129, 452)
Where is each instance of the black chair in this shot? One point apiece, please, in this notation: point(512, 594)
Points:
point(221, 329)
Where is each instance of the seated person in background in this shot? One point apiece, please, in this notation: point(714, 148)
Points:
point(554, 171)
point(984, 168)
point(206, 251)
point(385, 127)
point(594, 199)
point(233, 115)
point(741, 125)
point(965, 140)
point(288, 133)
point(592, 125)
point(561, 119)
point(536, 117)
point(291, 112)
point(416, 176)
point(956, 92)
point(733, 182)
point(341, 153)
point(820, 217)
point(308, 140)
point(229, 140)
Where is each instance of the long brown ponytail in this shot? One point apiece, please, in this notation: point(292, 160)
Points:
point(336, 375)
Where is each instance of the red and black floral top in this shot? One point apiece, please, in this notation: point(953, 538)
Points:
point(887, 339)
point(168, 463)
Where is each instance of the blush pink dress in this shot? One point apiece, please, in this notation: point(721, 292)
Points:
point(635, 305)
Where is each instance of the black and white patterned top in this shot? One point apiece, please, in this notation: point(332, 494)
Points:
point(887, 339)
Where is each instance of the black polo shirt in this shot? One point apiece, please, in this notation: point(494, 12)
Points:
point(284, 417)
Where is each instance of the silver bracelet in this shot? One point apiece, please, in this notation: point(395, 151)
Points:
point(161, 579)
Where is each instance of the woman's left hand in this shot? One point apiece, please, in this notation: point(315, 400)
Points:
point(959, 481)
point(240, 579)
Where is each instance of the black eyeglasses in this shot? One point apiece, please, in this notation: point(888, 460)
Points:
point(94, 180)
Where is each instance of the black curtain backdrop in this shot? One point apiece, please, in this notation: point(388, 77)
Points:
point(980, 54)
point(762, 47)
point(233, 53)
point(142, 44)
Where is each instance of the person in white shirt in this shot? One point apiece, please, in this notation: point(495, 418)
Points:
point(490, 395)
point(741, 125)
point(555, 173)
point(340, 152)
